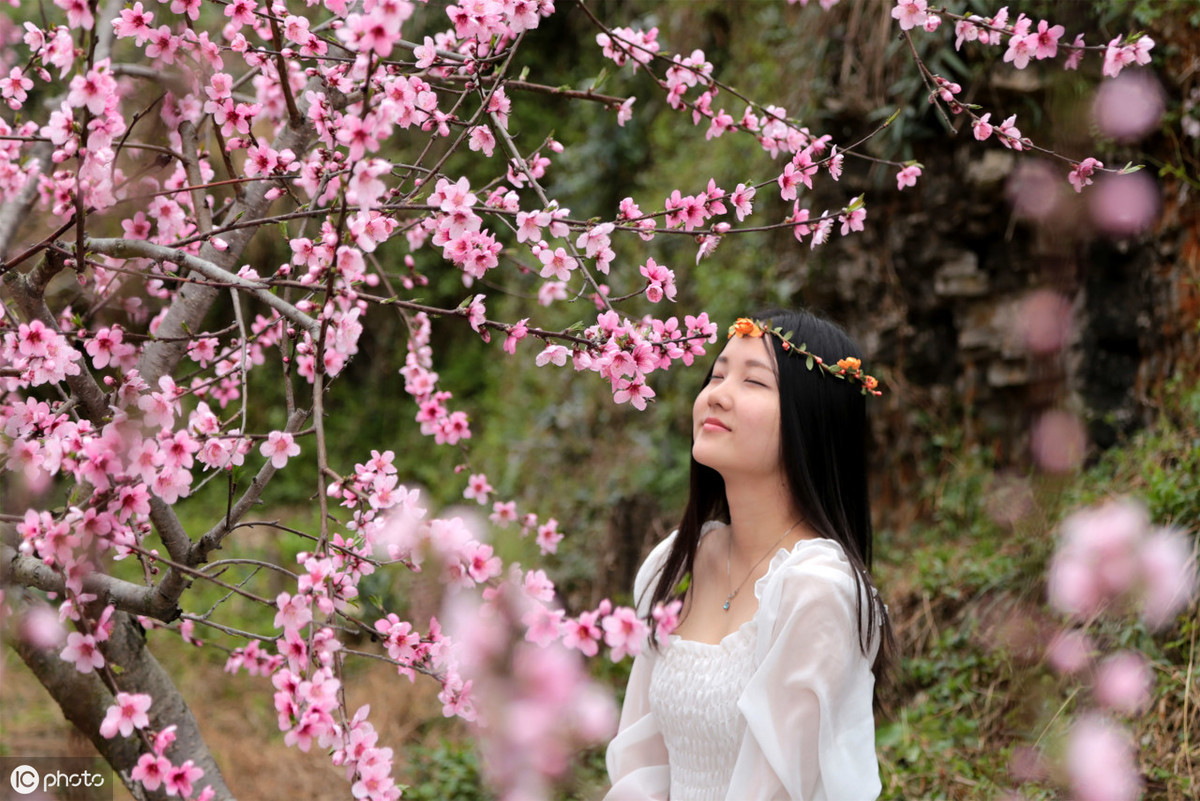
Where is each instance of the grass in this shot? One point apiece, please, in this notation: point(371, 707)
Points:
point(966, 589)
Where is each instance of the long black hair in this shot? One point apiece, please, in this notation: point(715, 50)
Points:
point(823, 433)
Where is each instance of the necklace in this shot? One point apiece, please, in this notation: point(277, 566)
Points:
point(729, 563)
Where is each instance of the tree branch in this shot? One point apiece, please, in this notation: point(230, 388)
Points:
point(140, 249)
point(214, 536)
point(29, 571)
point(192, 303)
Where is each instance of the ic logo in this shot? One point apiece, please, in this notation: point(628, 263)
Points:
point(24, 779)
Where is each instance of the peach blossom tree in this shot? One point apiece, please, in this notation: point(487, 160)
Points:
point(151, 147)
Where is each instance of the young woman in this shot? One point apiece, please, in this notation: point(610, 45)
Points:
point(765, 689)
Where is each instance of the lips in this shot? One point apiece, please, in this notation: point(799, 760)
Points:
point(713, 424)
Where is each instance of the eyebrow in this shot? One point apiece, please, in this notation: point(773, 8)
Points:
point(749, 363)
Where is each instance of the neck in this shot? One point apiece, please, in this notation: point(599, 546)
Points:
point(759, 512)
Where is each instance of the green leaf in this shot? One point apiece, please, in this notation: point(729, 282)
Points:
point(809, 361)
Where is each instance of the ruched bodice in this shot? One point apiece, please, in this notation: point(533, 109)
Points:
point(694, 693)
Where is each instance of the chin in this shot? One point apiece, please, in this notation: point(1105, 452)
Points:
point(706, 457)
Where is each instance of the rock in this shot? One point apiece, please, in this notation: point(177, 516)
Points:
point(995, 166)
point(960, 277)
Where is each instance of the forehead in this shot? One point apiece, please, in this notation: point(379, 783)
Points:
point(749, 352)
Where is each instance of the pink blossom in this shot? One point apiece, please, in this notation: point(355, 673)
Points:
point(583, 634)
point(552, 354)
point(503, 513)
point(853, 221)
point(1020, 50)
point(908, 176)
point(666, 618)
point(635, 392)
point(79, 13)
point(477, 315)
point(179, 779)
point(478, 489)
point(151, 770)
point(14, 87)
point(538, 586)
point(556, 264)
point(1116, 57)
point(1081, 175)
point(40, 627)
point(548, 536)
point(481, 562)
point(910, 13)
point(624, 633)
point(127, 714)
point(1076, 54)
point(1010, 135)
point(787, 181)
point(482, 140)
point(279, 447)
point(544, 625)
point(742, 199)
point(83, 651)
point(982, 127)
point(1047, 39)
point(295, 612)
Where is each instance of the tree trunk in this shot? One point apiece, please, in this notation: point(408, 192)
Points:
point(84, 699)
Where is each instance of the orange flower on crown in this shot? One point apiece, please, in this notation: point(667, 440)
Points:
point(870, 382)
point(850, 364)
point(745, 327)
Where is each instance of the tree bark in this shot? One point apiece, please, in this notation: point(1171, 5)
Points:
point(84, 700)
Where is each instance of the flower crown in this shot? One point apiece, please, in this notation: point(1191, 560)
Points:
point(849, 368)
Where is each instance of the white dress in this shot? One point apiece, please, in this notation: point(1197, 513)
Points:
point(779, 709)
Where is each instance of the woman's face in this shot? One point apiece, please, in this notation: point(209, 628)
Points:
point(735, 419)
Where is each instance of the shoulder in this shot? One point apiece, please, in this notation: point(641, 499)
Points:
point(813, 572)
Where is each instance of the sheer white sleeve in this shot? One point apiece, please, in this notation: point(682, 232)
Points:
point(637, 756)
point(810, 733)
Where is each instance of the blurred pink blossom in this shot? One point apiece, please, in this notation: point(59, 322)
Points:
point(1168, 566)
point(1100, 761)
point(1045, 321)
point(1058, 441)
point(1035, 190)
point(41, 628)
point(1130, 106)
point(1073, 588)
point(1097, 557)
point(1070, 651)
point(1124, 682)
point(1124, 205)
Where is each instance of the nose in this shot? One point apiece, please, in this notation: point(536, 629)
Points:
point(716, 395)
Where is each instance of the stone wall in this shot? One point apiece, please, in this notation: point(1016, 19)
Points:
point(986, 298)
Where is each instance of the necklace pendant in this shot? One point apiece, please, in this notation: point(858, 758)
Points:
point(725, 606)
